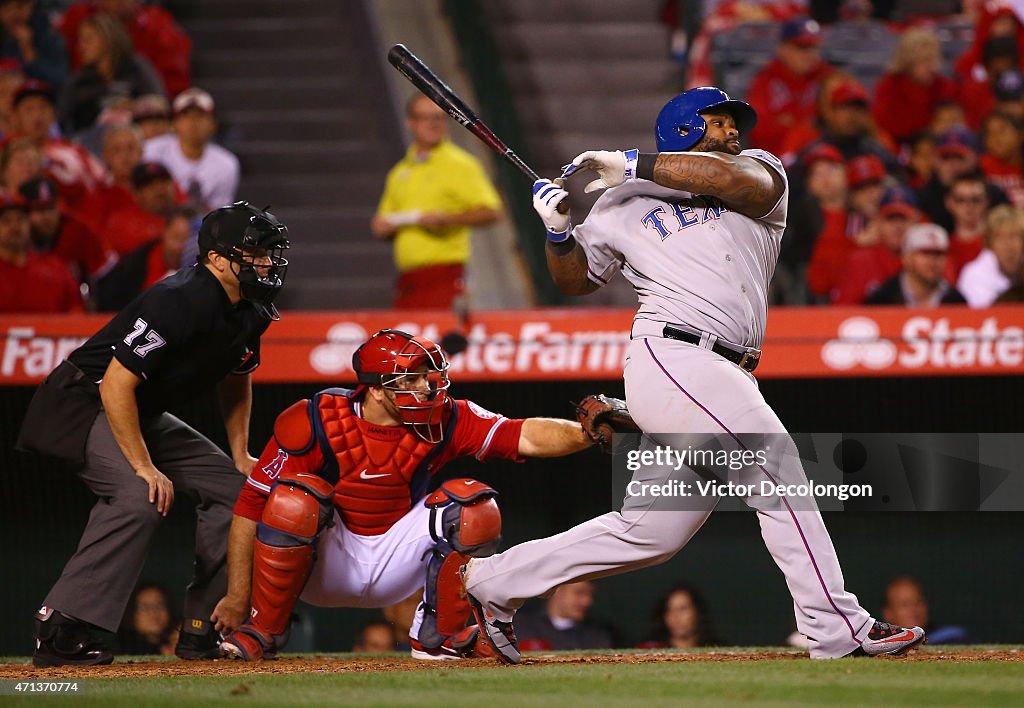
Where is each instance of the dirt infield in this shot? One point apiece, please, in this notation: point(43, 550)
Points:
point(130, 669)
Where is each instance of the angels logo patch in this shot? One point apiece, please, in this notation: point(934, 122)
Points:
point(275, 466)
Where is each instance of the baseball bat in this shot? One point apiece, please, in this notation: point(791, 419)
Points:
point(431, 85)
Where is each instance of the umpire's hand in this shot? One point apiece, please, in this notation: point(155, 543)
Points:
point(161, 491)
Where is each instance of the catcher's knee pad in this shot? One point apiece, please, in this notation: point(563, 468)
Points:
point(464, 522)
point(464, 514)
point(299, 508)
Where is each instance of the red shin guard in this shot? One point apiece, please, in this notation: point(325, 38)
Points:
point(278, 576)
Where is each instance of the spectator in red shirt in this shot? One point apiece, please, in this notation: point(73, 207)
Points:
point(1002, 143)
point(921, 282)
point(154, 33)
point(785, 91)
point(865, 176)
point(146, 265)
point(63, 235)
point(967, 201)
point(31, 282)
point(907, 94)
point(121, 152)
point(74, 169)
point(872, 264)
point(143, 220)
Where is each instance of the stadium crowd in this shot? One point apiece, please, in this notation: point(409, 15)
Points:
point(106, 153)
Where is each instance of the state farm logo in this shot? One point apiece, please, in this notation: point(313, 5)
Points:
point(925, 343)
point(858, 343)
point(335, 355)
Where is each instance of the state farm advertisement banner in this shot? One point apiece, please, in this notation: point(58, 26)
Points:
point(589, 344)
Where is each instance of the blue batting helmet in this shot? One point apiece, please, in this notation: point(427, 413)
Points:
point(680, 125)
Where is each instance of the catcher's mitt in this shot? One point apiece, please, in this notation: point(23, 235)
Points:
point(602, 417)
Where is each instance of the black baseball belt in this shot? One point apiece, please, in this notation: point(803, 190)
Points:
point(744, 357)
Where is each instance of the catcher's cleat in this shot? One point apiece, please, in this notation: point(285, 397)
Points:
point(248, 644)
point(63, 641)
point(197, 640)
point(464, 645)
point(891, 640)
point(497, 635)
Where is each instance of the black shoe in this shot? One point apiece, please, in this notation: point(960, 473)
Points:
point(197, 640)
point(63, 641)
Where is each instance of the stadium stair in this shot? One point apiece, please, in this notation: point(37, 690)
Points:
point(300, 96)
point(568, 99)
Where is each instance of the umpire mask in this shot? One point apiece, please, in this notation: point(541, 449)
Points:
point(254, 241)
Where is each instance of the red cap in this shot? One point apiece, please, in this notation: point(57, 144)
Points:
point(32, 87)
point(801, 31)
point(848, 92)
point(822, 151)
point(865, 169)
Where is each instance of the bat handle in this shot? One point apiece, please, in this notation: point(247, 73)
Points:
point(563, 206)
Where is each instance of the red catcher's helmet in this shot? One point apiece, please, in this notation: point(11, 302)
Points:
point(414, 370)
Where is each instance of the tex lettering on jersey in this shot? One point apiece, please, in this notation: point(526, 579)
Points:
point(677, 216)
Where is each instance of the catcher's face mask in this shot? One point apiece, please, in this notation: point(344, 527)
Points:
point(413, 372)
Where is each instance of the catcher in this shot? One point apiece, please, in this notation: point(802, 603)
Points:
point(336, 510)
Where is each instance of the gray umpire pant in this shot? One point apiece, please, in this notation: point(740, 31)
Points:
point(98, 580)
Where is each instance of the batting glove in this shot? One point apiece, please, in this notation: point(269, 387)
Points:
point(612, 168)
point(547, 195)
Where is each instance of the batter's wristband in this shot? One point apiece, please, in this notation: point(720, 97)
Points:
point(561, 248)
point(559, 237)
point(645, 165)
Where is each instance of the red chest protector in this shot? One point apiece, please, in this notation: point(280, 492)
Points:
point(378, 472)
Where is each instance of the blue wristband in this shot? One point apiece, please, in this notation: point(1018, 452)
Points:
point(559, 237)
point(631, 158)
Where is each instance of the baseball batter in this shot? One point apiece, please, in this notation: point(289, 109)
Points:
point(696, 229)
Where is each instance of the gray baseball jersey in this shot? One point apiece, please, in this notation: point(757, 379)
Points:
point(691, 260)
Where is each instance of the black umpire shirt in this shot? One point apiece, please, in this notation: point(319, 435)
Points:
point(182, 336)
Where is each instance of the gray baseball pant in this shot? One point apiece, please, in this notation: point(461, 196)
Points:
point(99, 579)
